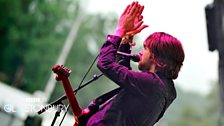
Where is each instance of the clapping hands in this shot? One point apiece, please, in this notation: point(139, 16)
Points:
point(130, 21)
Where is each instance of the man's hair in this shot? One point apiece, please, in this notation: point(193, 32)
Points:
point(167, 52)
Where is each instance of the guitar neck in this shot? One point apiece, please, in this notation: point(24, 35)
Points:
point(76, 109)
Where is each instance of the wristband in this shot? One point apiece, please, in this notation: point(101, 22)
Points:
point(128, 40)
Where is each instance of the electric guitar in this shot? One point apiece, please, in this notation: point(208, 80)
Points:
point(81, 116)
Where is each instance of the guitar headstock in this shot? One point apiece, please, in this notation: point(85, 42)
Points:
point(61, 71)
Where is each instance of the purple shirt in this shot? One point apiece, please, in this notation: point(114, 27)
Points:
point(144, 96)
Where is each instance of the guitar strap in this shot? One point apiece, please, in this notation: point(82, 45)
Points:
point(103, 98)
point(94, 105)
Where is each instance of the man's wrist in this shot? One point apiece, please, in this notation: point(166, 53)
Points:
point(119, 32)
point(127, 40)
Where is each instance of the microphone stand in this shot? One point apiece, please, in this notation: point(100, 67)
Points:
point(59, 103)
point(57, 114)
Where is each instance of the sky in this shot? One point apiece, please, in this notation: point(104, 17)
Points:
point(184, 19)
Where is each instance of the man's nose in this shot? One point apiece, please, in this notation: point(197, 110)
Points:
point(141, 52)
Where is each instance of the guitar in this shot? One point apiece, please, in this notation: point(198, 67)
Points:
point(81, 115)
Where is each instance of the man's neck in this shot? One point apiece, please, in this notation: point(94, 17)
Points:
point(152, 68)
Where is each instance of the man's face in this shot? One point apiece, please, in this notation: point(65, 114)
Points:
point(146, 59)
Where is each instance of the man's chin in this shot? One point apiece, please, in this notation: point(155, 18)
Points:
point(141, 67)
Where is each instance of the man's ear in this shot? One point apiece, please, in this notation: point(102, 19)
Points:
point(160, 63)
point(152, 57)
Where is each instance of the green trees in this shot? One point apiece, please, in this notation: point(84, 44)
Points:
point(32, 35)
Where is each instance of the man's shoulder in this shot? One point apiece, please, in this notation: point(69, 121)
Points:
point(148, 78)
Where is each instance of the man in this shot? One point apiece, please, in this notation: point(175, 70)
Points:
point(145, 95)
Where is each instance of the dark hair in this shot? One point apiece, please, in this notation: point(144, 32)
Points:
point(167, 52)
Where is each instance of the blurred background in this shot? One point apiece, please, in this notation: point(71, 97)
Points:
point(37, 34)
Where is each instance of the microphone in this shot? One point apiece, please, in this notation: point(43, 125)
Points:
point(133, 57)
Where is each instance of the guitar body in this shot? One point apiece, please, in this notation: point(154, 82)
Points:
point(83, 120)
point(87, 113)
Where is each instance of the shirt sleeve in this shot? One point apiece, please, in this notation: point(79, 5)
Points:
point(120, 74)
